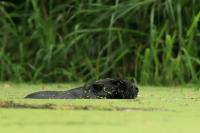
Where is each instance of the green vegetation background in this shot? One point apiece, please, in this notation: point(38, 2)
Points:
point(155, 41)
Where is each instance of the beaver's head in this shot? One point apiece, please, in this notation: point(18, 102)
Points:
point(111, 89)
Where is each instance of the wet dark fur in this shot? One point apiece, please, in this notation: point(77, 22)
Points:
point(100, 89)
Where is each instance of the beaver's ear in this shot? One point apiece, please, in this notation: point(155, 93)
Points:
point(134, 81)
point(97, 87)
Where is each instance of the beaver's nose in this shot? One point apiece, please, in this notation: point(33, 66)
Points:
point(137, 89)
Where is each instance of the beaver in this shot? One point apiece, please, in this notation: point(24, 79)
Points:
point(108, 88)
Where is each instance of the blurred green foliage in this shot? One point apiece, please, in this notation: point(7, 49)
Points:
point(154, 41)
